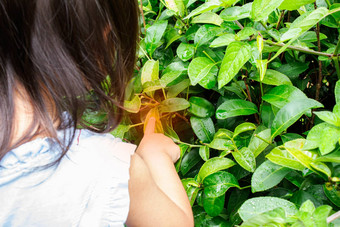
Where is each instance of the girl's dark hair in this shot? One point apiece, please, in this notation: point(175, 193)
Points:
point(76, 54)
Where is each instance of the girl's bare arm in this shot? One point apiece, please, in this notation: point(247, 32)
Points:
point(156, 192)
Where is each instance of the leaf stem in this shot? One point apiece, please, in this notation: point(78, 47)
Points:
point(142, 12)
point(319, 80)
point(209, 56)
point(262, 93)
point(337, 47)
point(303, 50)
point(336, 63)
point(164, 93)
point(239, 86)
point(135, 125)
point(264, 140)
point(333, 217)
point(239, 24)
point(328, 3)
point(190, 145)
point(281, 18)
point(144, 52)
point(263, 24)
point(332, 11)
point(249, 97)
point(245, 187)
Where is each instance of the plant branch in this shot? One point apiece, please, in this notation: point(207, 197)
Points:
point(239, 24)
point(281, 18)
point(337, 47)
point(328, 3)
point(303, 50)
point(337, 67)
point(249, 97)
point(333, 217)
point(332, 11)
point(142, 12)
point(266, 141)
point(319, 78)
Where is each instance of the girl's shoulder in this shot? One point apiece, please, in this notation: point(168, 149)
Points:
point(92, 179)
point(100, 148)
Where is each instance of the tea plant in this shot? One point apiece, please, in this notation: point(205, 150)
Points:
point(249, 91)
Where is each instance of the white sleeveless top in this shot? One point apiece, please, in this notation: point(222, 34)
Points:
point(89, 187)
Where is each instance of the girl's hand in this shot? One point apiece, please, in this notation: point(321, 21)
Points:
point(157, 144)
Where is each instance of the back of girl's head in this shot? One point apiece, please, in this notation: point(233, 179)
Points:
point(75, 54)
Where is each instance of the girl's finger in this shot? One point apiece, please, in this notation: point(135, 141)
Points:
point(150, 127)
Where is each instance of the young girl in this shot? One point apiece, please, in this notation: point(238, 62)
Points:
point(55, 56)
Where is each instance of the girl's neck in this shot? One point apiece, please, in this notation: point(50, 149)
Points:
point(24, 119)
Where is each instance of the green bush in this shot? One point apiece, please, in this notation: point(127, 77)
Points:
point(246, 88)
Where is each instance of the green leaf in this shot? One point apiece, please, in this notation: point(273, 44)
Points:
point(290, 113)
point(217, 222)
point(150, 86)
point(183, 148)
point(120, 131)
point(172, 73)
point(324, 136)
point(255, 206)
point(217, 184)
point(204, 128)
point(213, 205)
point(328, 117)
point(235, 107)
point(274, 217)
point(262, 68)
point(284, 158)
point(262, 8)
point(295, 148)
point(133, 105)
point(267, 175)
point(257, 145)
point(201, 107)
point(174, 105)
point(213, 165)
point(332, 193)
point(191, 187)
point(208, 18)
point(171, 36)
point(245, 33)
point(221, 144)
point(332, 157)
point(321, 214)
point(200, 68)
point(223, 40)
point(189, 161)
point(176, 5)
point(321, 168)
point(154, 35)
point(247, 126)
point(293, 4)
point(185, 51)
point(281, 95)
point(205, 34)
point(259, 43)
point(237, 54)
point(272, 77)
point(150, 71)
point(303, 23)
point(307, 206)
point(174, 90)
point(204, 152)
point(236, 12)
point(213, 4)
point(245, 158)
point(337, 92)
